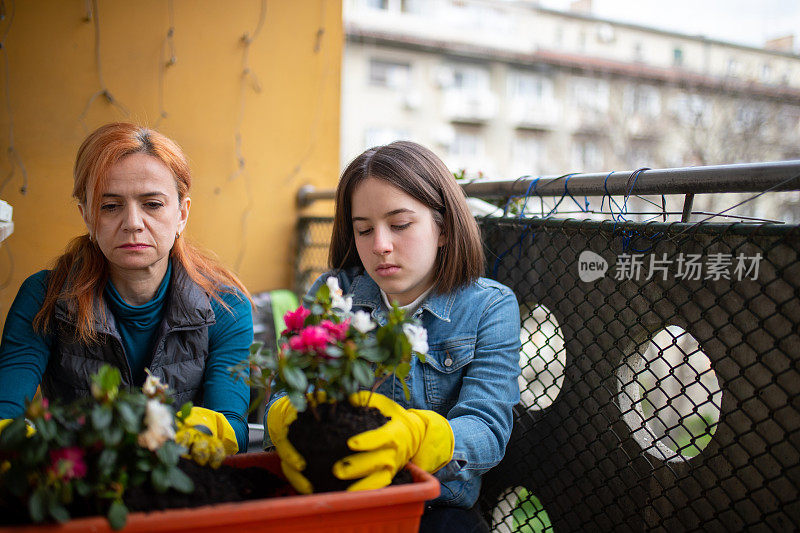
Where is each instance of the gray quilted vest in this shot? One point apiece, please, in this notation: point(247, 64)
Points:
point(179, 352)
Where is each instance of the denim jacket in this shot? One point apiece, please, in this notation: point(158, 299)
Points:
point(469, 375)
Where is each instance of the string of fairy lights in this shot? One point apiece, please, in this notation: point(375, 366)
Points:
point(313, 134)
point(15, 161)
point(249, 85)
point(93, 15)
point(167, 48)
point(248, 79)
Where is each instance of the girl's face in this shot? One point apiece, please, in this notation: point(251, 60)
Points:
point(139, 216)
point(396, 238)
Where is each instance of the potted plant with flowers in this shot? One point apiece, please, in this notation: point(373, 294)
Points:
point(118, 451)
point(326, 355)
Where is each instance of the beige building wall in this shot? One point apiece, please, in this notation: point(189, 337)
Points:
point(252, 97)
point(509, 89)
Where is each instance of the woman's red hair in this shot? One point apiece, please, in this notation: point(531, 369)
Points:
point(80, 274)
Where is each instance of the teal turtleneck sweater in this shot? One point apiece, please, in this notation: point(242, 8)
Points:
point(138, 324)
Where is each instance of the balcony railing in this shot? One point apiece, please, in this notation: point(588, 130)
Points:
point(660, 375)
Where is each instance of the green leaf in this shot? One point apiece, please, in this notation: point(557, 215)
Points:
point(185, 410)
point(117, 515)
point(160, 479)
point(13, 435)
point(295, 378)
point(101, 416)
point(58, 511)
point(106, 462)
point(334, 351)
point(255, 347)
point(113, 435)
point(169, 453)
point(406, 392)
point(372, 354)
point(130, 421)
point(402, 370)
point(37, 506)
point(323, 294)
point(180, 481)
point(298, 400)
point(82, 488)
point(362, 373)
point(47, 428)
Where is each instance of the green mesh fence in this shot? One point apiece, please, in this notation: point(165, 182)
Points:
point(659, 374)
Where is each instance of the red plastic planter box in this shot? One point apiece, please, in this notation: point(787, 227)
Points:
point(392, 509)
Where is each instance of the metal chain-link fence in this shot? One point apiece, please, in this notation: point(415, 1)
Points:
point(659, 374)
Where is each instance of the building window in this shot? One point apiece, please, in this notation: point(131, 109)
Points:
point(766, 72)
point(527, 152)
point(677, 56)
point(466, 150)
point(386, 73)
point(416, 7)
point(642, 100)
point(691, 110)
point(529, 86)
point(733, 67)
point(586, 156)
point(590, 94)
point(467, 144)
point(377, 4)
point(638, 51)
point(469, 78)
point(380, 135)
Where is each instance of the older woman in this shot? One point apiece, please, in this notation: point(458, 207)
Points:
point(131, 292)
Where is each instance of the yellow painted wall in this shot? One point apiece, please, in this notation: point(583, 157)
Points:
point(286, 111)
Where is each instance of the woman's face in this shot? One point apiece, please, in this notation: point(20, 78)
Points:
point(396, 238)
point(139, 216)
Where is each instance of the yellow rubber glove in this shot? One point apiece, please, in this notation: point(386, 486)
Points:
point(423, 437)
point(280, 415)
point(207, 435)
point(30, 430)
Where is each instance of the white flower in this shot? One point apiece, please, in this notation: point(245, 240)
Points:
point(158, 426)
point(333, 285)
point(417, 336)
point(153, 386)
point(338, 300)
point(344, 303)
point(362, 321)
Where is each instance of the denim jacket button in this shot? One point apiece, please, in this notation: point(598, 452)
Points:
point(448, 362)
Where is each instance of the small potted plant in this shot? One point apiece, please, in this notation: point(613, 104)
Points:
point(325, 356)
point(86, 454)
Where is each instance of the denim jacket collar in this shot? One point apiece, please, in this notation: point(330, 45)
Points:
point(367, 294)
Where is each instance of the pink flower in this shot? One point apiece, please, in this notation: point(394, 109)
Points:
point(68, 463)
point(312, 338)
point(295, 320)
point(337, 331)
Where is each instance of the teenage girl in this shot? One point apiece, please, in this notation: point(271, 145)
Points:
point(403, 233)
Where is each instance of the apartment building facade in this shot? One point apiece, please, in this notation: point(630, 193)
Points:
point(510, 88)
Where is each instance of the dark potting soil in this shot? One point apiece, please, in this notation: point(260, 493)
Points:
point(224, 484)
point(323, 441)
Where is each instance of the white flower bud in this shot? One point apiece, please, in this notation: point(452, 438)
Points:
point(362, 321)
point(417, 336)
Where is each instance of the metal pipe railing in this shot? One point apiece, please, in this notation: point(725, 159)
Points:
point(745, 177)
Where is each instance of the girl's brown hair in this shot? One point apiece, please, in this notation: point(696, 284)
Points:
point(418, 172)
point(81, 272)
